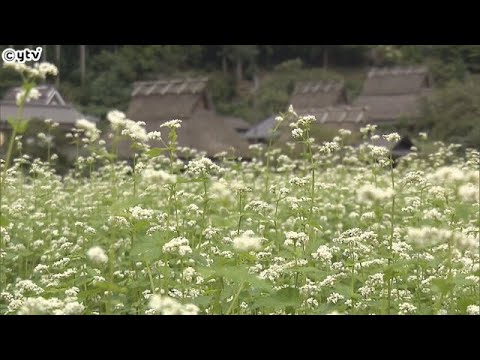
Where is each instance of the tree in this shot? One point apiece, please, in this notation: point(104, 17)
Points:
point(83, 50)
point(241, 55)
point(452, 114)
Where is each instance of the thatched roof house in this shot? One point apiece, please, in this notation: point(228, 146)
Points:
point(393, 93)
point(156, 102)
point(338, 115)
point(239, 124)
point(49, 105)
point(307, 98)
point(346, 117)
point(318, 94)
point(262, 131)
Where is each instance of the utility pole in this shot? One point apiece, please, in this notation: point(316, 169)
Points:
point(57, 59)
point(82, 63)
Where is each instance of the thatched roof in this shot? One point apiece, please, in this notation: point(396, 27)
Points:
point(390, 107)
point(175, 98)
point(64, 115)
point(338, 114)
point(396, 81)
point(262, 130)
point(187, 100)
point(317, 94)
point(330, 115)
point(49, 95)
point(390, 94)
point(238, 124)
point(50, 105)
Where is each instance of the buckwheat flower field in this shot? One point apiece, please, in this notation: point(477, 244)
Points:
point(336, 230)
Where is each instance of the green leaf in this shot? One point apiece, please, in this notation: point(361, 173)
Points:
point(443, 285)
point(108, 286)
point(201, 300)
point(287, 297)
point(154, 152)
point(148, 249)
point(237, 274)
point(19, 125)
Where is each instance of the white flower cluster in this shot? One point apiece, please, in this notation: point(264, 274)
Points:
point(295, 238)
point(151, 175)
point(165, 305)
point(97, 255)
point(89, 128)
point(392, 138)
point(139, 213)
point(406, 308)
point(53, 306)
point(135, 130)
point(473, 310)
point(37, 71)
point(178, 245)
point(257, 206)
point(429, 236)
point(469, 192)
point(323, 253)
point(334, 297)
point(368, 193)
point(378, 151)
point(247, 242)
point(329, 147)
point(202, 166)
point(117, 119)
point(368, 129)
point(172, 124)
point(22, 96)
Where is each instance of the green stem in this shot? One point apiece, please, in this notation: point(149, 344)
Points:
point(152, 287)
point(240, 213)
point(230, 309)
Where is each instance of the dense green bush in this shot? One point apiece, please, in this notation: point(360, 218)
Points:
point(453, 113)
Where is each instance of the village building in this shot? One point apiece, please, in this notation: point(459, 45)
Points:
point(156, 102)
point(393, 94)
point(308, 98)
point(49, 105)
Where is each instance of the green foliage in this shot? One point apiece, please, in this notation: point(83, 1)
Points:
point(453, 113)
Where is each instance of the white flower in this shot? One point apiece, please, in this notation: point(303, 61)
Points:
point(46, 68)
point(297, 133)
point(423, 135)
point(406, 308)
point(247, 242)
point(97, 255)
point(369, 193)
point(22, 96)
point(392, 138)
point(291, 110)
point(155, 135)
point(117, 119)
point(473, 310)
point(202, 166)
point(167, 306)
point(178, 245)
point(139, 213)
point(323, 253)
point(135, 130)
point(279, 119)
point(469, 192)
point(334, 298)
point(296, 238)
point(90, 128)
point(172, 124)
point(344, 132)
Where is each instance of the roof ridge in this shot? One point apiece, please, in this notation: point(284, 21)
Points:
point(397, 70)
